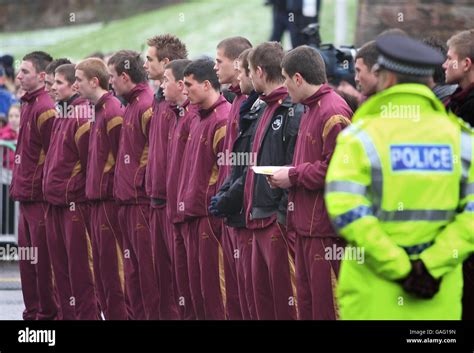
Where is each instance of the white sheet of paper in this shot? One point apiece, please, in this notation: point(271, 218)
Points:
point(269, 170)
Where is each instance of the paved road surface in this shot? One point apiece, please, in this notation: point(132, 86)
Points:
point(11, 300)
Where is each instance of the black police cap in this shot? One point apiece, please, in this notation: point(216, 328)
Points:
point(406, 55)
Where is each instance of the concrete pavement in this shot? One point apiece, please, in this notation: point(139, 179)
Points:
point(11, 300)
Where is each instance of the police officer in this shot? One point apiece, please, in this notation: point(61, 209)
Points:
point(400, 188)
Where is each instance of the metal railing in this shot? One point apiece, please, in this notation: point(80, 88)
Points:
point(9, 209)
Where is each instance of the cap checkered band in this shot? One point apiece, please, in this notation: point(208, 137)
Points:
point(406, 69)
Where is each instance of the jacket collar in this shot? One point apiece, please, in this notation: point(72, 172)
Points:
point(101, 102)
point(159, 95)
point(236, 90)
point(30, 96)
point(177, 108)
point(460, 95)
point(316, 97)
point(204, 113)
point(248, 103)
point(278, 95)
point(135, 92)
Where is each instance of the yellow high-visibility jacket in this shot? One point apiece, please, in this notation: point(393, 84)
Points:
point(400, 186)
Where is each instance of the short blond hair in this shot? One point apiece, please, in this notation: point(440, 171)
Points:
point(94, 67)
point(463, 44)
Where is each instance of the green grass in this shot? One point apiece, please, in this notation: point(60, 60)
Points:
point(200, 24)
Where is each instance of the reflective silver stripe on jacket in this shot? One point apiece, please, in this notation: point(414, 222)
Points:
point(466, 159)
point(346, 186)
point(376, 186)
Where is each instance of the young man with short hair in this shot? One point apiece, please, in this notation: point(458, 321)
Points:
point(326, 114)
point(438, 81)
point(266, 208)
point(128, 79)
point(459, 67)
point(226, 68)
point(92, 81)
point(197, 183)
point(365, 59)
point(49, 78)
point(68, 214)
point(161, 50)
point(184, 113)
point(37, 116)
point(228, 202)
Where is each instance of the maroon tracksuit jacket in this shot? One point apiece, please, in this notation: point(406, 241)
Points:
point(160, 125)
point(179, 136)
point(201, 232)
point(134, 214)
point(106, 235)
point(179, 133)
point(37, 111)
point(198, 179)
point(37, 117)
point(66, 164)
point(129, 182)
point(326, 114)
point(67, 220)
point(103, 148)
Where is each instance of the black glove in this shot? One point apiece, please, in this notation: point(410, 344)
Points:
point(419, 282)
point(214, 207)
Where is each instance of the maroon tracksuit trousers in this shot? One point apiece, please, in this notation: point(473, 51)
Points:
point(140, 278)
point(316, 278)
point(108, 259)
point(163, 248)
point(180, 257)
point(70, 250)
point(243, 261)
point(230, 248)
point(206, 267)
point(36, 278)
point(273, 274)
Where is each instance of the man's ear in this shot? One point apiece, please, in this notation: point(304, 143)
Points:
point(165, 61)
point(469, 63)
point(389, 79)
point(259, 71)
point(125, 77)
point(298, 79)
point(95, 81)
point(42, 76)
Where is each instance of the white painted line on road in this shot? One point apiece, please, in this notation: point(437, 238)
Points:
point(16, 279)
